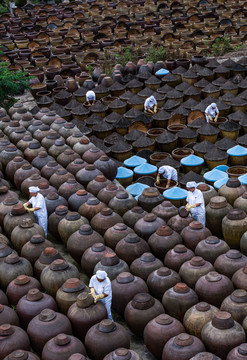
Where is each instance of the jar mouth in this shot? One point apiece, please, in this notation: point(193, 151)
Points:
point(164, 319)
point(73, 285)
point(163, 271)
point(107, 326)
point(211, 240)
point(47, 315)
point(121, 354)
point(202, 306)
point(181, 288)
point(223, 320)
point(98, 247)
point(125, 278)
point(213, 276)
point(183, 340)
point(58, 265)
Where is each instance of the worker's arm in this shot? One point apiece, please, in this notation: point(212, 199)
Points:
point(168, 183)
point(155, 109)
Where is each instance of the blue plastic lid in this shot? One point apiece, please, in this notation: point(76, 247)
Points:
point(237, 150)
point(145, 169)
point(222, 167)
point(220, 183)
point(215, 175)
point(192, 160)
point(243, 179)
point(136, 189)
point(175, 193)
point(162, 72)
point(134, 161)
point(123, 173)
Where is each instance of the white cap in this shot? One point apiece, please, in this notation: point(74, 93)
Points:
point(191, 184)
point(33, 189)
point(161, 170)
point(213, 105)
point(101, 275)
point(90, 93)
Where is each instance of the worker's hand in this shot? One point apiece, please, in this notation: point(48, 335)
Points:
point(167, 186)
point(92, 292)
point(30, 209)
point(187, 207)
point(210, 118)
point(98, 297)
point(25, 204)
point(158, 180)
point(216, 118)
point(193, 206)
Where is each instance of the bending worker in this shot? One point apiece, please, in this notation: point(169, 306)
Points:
point(37, 201)
point(212, 112)
point(90, 98)
point(150, 105)
point(195, 202)
point(169, 173)
point(100, 286)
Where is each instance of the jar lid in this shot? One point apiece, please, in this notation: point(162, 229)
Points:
point(77, 356)
point(203, 187)
point(147, 257)
point(100, 178)
point(239, 296)
point(142, 301)
point(106, 212)
point(164, 231)
point(181, 288)
point(213, 276)
point(35, 177)
point(86, 229)
point(90, 167)
point(59, 142)
point(212, 240)
point(50, 251)
point(37, 239)
point(47, 315)
point(34, 295)
point(34, 145)
point(52, 196)
point(6, 330)
point(10, 201)
point(44, 185)
point(68, 152)
point(84, 300)
point(110, 259)
point(62, 339)
point(107, 326)
point(120, 227)
point(217, 202)
point(71, 181)
point(164, 319)
point(132, 238)
point(197, 261)
point(223, 320)
point(122, 195)
point(151, 192)
point(72, 216)
point(233, 254)
point(111, 187)
point(183, 212)
point(93, 201)
point(202, 306)
point(236, 214)
point(242, 349)
point(43, 154)
point(137, 210)
point(196, 225)
point(4, 250)
point(58, 265)
point(61, 172)
point(84, 141)
point(163, 271)
point(98, 247)
point(18, 209)
point(121, 354)
point(125, 278)
point(10, 148)
point(73, 285)
point(104, 158)
point(52, 163)
point(181, 249)
point(150, 217)
point(22, 280)
point(183, 340)
point(61, 210)
point(13, 258)
point(81, 192)
point(26, 223)
point(18, 355)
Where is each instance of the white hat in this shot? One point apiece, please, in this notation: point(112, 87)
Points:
point(33, 189)
point(161, 170)
point(101, 275)
point(213, 105)
point(90, 93)
point(191, 184)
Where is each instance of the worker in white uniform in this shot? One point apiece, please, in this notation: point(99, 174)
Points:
point(37, 201)
point(195, 202)
point(90, 98)
point(150, 105)
point(169, 173)
point(212, 112)
point(100, 286)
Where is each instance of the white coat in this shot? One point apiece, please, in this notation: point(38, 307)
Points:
point(41, 214)
point(90, 95)
point(103, 287)
point(198, 213)
point(170, 172)
point(212, 112)
point(150, 102)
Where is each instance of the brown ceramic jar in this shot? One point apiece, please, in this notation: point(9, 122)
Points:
point(210, 248)
point(230, 262)
point(161, 280)
point(69, 225)
point(112, 265)
point(193, 234)
point(21, 355)
point(68, 292)
point(180, 221)
point(52, 201)
point(59, 177)
point(60, 212)
point(121, 354)
point(183, 347)
point(163, 240)
point(133, 215)
point(34, 247)
point(177, 256)
point(193, 269)
point(24, 172)
point(92, 256)
point(108, 193)
point(216, 210)
point(12, 338)
point(13, 166)
point(239, 278)
point(231, 190)
point(20, 287)
point(95, 185)
point(236, 305)
point(144, 265)
point(237, 353)
point(90, 208)
point(61, 347)
point(86, 174)
point(105, 219)
point(69, 187)
point(146, 226)
point(234, 225)
point(115, 233)
point(50, 168)
point(77, 199)
point(122, 202)
point(65, 158)
point(131, 247)
point(150, 198)
point(165, 210)
point(8, 316)
point(46, 258)
point(75, 166)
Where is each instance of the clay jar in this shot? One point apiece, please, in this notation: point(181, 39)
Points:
point(34, 247)
point(133, 215)
point(230, 262)
point(213, 288)
point(11, 267)
point(3, 298)
point(91, 208)
point(13, 166)
point(68, 188)
point(163, 240)
point(75, 166)
point(92, 154)
point(59, 177)
point(88, 173)
point(92, 256)
point(146, 226)
point(83, 314)
point(161, 280)
point(77, 199)
point(122, 202)
point(115, 233)
point(158, 331)
point(182, 346)
point(61, 347)
point(239, 278)
point(210, 248)
point(239, 352)
point(67, 157)
point(205, 356)
point(124, 288)
point(193, 269)
point(105, 219)
point(69, 225)
point(81, 240)
point(108, 193)
point(32, 304)
point(50, 168)
point(131, 247)
point(180, 221)
point(24, 232)
point(5, 250)
point(165, 210)
point(24, 172)
point(68, 292)
point(6, 206)
point(45, 326)
point(216, 210)
point(12, 338)
point(144, 265)
point(107, 166)
point(20, 287)
point(121, 354)
point(54, 219)
point(234, 225)
point(140, 311)
point(8, 316)
point(150, 198)
point(193, 234)
point(54, 275)
point(95, 185)
point(82, 146)
point(105, 337)
point(41, 160)
point(231, 190)
point(222, 333)
point(197, 316)
point(52, 201)
point(112, 265)
point(21, 355)
point(178, 300)
point(236, 305)
point(5, 192)
point(177, 256)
